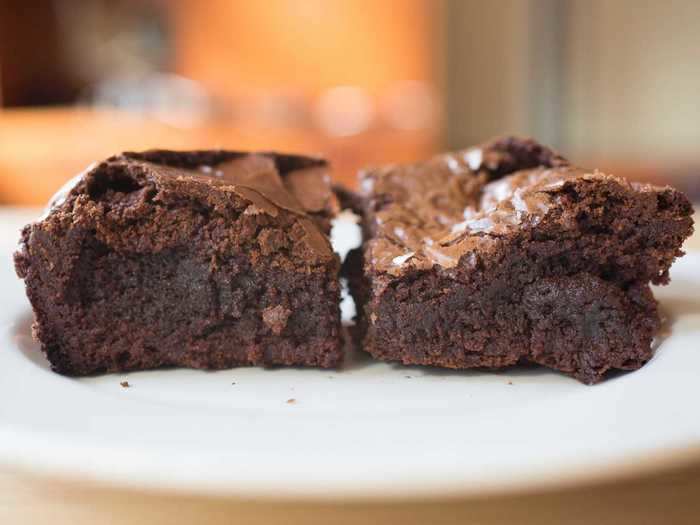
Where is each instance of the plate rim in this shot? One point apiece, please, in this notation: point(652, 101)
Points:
point(600, 471)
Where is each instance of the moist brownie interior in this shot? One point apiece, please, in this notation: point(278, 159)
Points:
point(204, 259)
point(506, 253)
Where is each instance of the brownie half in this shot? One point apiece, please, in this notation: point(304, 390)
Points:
point(506, 253)
point(202, 259)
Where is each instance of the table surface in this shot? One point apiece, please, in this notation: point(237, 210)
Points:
point(669, 497)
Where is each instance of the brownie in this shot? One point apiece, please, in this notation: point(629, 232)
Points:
point(202, 259)
point(506, 253)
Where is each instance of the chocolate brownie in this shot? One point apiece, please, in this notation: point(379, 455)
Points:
point(506, 253)
point(203, 259)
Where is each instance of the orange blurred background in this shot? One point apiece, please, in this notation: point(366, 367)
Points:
point(359, 81)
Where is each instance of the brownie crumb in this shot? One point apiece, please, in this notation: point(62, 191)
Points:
point(507, 254)
point(212, 252)
point(125, 384)
point(275, 317)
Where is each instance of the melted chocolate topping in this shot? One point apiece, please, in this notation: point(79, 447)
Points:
point(442, 211)
point(269, 181)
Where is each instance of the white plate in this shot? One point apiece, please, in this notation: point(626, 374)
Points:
point(370, 430)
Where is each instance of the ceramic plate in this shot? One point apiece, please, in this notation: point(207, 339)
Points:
point(370, 430)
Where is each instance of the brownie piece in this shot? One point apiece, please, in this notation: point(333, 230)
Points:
point(506, 253)
point(203, 259)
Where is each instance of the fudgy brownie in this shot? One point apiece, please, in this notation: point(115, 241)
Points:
point(204, 259)
point(505, 253)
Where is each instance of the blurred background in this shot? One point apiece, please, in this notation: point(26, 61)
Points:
point(614, 84)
